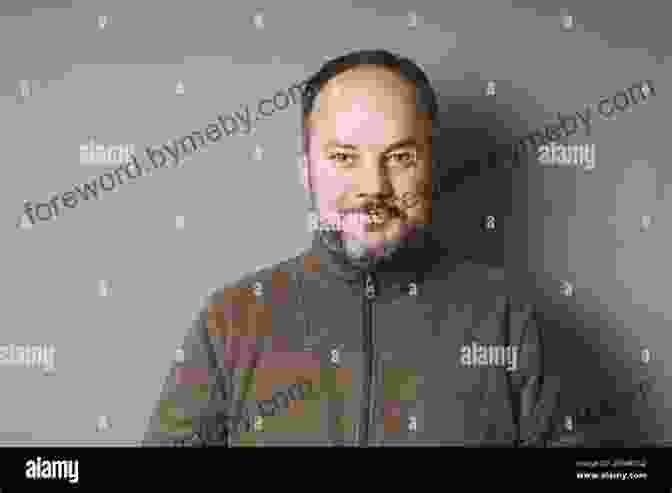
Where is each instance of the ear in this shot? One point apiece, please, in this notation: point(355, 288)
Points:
point(303, 172)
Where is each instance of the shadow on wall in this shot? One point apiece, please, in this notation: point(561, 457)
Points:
point(578, 351)
point(468, 191)
point(604, 394)
point(25, 8)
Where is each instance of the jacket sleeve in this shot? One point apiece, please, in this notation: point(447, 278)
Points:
point(534, 393)
point(189, 409)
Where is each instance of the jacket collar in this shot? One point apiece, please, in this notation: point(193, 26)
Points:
point(411, 264)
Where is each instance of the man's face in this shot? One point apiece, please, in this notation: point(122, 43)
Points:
point(369, 160)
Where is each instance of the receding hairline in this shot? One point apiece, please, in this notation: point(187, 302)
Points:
point(366, 70)
point(360, 72)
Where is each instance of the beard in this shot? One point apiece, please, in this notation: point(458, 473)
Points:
point(364, 253)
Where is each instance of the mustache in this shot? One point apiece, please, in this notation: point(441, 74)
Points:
point(394, 205)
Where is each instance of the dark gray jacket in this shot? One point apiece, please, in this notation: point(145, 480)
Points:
point(314, 352)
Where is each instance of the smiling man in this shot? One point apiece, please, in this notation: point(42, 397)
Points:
point(360, 339)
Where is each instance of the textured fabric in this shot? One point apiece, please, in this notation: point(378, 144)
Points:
point(314, 352)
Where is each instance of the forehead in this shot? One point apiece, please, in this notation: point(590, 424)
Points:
point(369, 104)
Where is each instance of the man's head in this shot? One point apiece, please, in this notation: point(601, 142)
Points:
point(368, 122)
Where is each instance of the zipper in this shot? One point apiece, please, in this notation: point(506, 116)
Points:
point(366, 421)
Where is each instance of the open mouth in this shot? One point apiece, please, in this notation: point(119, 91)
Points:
point(376, 219)
point(378, 216)
point(366, 219)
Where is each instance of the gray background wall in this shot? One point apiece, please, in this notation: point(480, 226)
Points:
point(118, 84)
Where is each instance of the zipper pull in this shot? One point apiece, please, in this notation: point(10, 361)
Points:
point(370, 287)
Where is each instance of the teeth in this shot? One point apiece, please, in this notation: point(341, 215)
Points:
point(377, 217)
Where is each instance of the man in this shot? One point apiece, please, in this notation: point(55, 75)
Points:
point(375, 335)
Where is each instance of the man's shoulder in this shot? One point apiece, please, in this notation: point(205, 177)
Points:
point(480, 280)
point(275, 277)
point(470, 272)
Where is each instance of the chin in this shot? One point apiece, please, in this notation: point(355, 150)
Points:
point(375, 246)
point(367, 249)
point(370, 253)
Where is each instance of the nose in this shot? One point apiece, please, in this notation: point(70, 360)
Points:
point(373, 181)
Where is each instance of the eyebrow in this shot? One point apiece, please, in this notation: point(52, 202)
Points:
point(408, 142)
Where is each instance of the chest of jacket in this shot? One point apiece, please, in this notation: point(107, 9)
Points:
point(319, 362)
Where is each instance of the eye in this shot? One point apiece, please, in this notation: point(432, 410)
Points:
point(403, 158)
point(340, 157)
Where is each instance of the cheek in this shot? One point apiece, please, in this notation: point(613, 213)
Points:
point(329, 185)
point(410, 191)
point(327, 179)
point(412, 179)
point(415, 201)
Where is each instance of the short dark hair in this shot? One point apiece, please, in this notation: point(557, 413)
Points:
point(426, 97)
